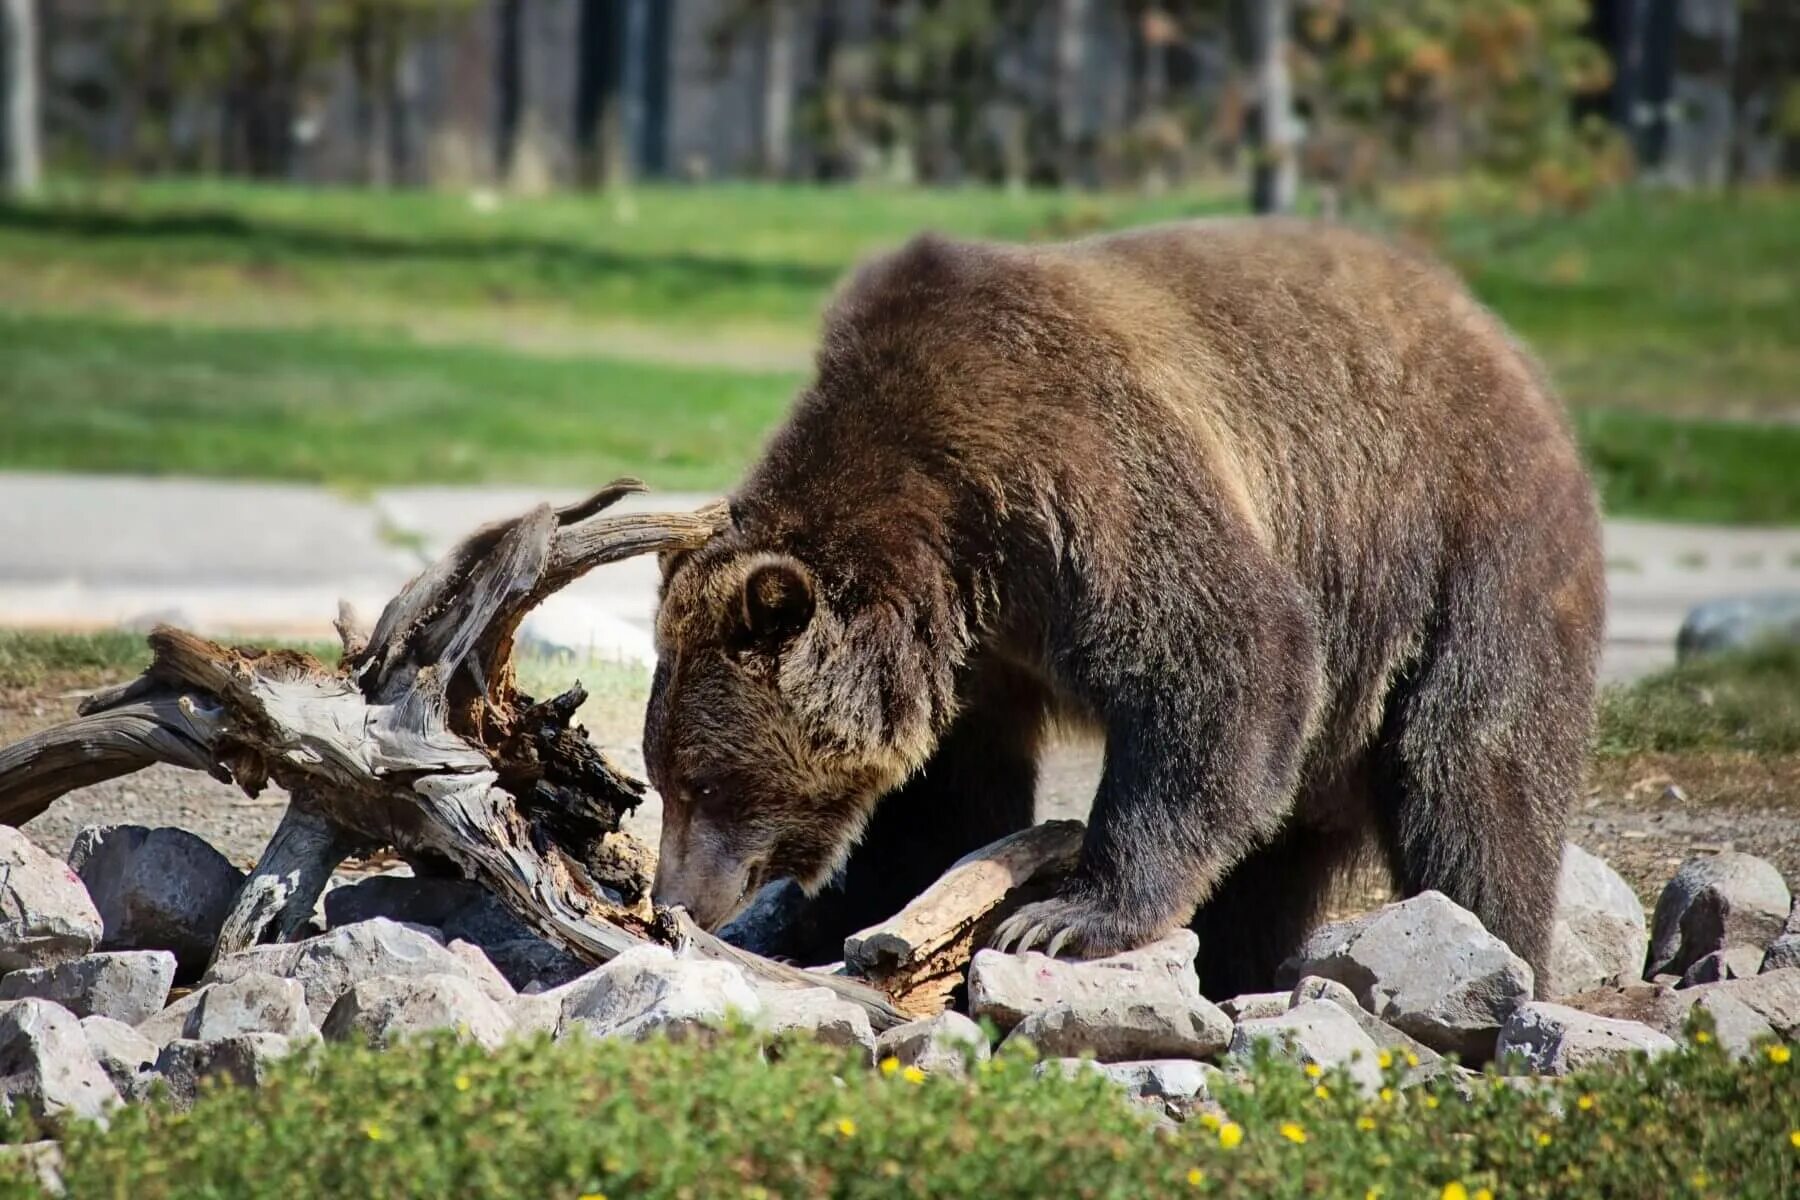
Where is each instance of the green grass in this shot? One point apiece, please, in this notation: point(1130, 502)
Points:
point(90, 394)
point(1747, 701)
point(1649, 299)
point(87, 393)
point(363, 338)
point(28, 658)
point(1684, 303)
point(733, 254)
point(706, 1118)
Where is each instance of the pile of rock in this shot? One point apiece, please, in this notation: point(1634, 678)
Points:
point(108, 986)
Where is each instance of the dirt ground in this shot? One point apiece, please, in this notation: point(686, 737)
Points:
point(1645, 814)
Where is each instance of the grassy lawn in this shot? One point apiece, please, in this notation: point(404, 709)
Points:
point(90, 393)
point(94, 394)
point(367, 338)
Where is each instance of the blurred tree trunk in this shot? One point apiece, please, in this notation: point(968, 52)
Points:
point(1275, 182)
point(603, 148)
point(1071, 59)
point(778, 88)
point(19, 135)
point(508, 66)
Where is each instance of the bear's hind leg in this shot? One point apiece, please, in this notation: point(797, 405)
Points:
point(1482, 745)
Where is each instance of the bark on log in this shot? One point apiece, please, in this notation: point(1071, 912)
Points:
point(918, 955)
point(419, 739)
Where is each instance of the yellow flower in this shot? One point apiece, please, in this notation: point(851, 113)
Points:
point(591, 1196)
point(1701, 1036)
point(1387, 1095)
point(1372, 1194)
point(1543, 1139)
point(1293, 1133)
point(1794, 1139)
point(1230, 1134)
point(889, 1065)
point(1210, 1120)
point(1454, 1191)
point(1314, 1070)
point(1779, 1054)
point(1385, 1059)
point(1412, 1060)
point(1700, 1179)
point(374, 1131)
point(1483, 1194)
point(1322, 1092)
point(913, 1075)
point(462, 1083)
point(1365, 1123)
point(1584, 1102)
point(1195, 1177)
point(846, 1127)
point(1431, 1102)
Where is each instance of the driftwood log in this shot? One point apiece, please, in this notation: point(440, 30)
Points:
point(918, 955)
point(420, 739)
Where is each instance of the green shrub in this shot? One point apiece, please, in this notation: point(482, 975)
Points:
point(587, 1119)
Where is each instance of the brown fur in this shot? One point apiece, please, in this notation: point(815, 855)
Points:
point(1279, 509)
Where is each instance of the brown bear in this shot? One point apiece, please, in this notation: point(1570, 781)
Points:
point(1278, 509)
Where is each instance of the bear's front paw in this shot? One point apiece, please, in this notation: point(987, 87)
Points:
point(1083, 928)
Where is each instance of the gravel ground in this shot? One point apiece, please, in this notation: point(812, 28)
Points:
point(1644, 816)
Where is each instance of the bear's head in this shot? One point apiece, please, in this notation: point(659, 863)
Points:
point(787, 701)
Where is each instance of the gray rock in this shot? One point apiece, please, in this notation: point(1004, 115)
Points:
point(1735, 962)
point(1426, 967)
point(41, 1162)
point(157, 889)
point(648, 990)
point(252, 1003)
point(532, 964)
point(1176, 1085)
point(773, 920)
point(1774, 996)
point(1600, 933)
point(126, 985)
point(1005, 988)
point(1385, 1036)
point(244, 1059)
point(1255, 1005)
point(1738, 1027)
point(1743, 1010)
point(46, 916)
point(461, 909)
point(1122, 1027)
point(816, 1012)
point(326, 966)
point(46, 1066)
point(481, 968)
point(942, 1045)
point(1713, 904)
point(390, 1009)
point(1784, 951)
point(1739, 623)
point(1553, 1039)
point(1316, 1031)
point(123, 1053)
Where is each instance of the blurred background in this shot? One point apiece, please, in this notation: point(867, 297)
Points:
point(294, 292)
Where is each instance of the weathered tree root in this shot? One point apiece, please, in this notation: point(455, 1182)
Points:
point(419, 739)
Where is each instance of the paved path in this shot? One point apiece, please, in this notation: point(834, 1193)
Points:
point(256, 559)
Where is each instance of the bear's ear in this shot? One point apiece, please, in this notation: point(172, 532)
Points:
point(777, 602)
